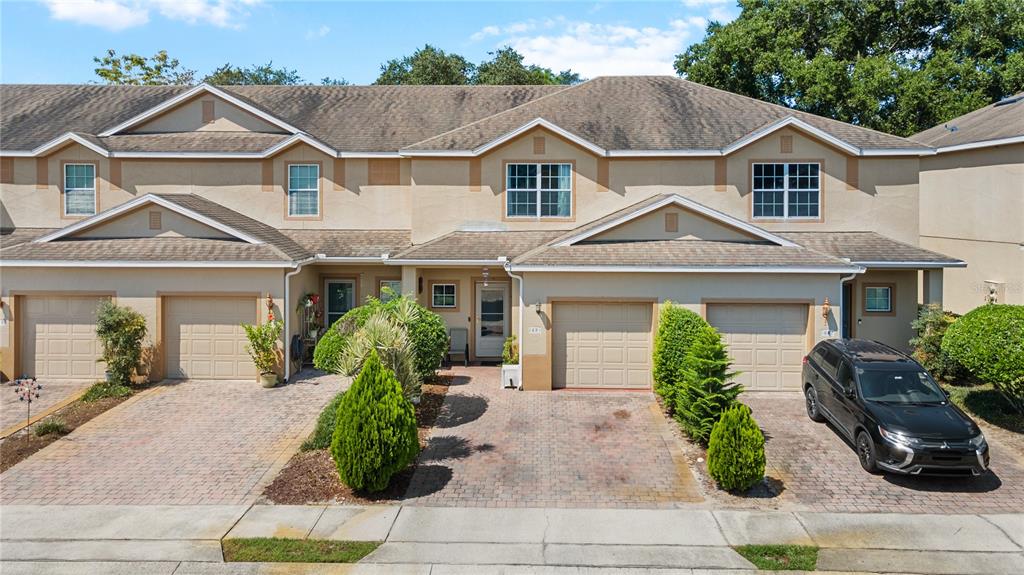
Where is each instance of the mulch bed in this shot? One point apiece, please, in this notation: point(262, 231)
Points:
point(21, 445)
point(311, 477)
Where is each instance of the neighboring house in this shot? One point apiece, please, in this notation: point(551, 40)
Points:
point(972, 203)
point(567, 215)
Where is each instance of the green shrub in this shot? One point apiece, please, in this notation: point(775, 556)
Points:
point(736, 451)
point(103, 390)
point(384, 335)
point(931, 325)
point(262, 346)
point(51, 425)
point(120, 331)
point(324, 430)
point(677, 326)
point(707, 389)
point(989, 342)
point(510, 351)
point(375, 431)
point(328, 350)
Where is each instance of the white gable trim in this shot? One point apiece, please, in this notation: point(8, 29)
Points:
point(981, 144)
point(689, 269)
point(56, 143)
point(797, 123)
point(300, 137)
point(141, 201)
point(686, 203)
point(188, 94)
point(539, 122)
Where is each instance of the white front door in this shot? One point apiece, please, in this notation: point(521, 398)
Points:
point(491, 318)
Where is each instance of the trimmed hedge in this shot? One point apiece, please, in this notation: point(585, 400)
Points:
point(707, 388)
point(375, 430)
point(989, 342)
point(677, 328)
point(736, 450)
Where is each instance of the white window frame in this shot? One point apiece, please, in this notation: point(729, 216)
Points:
point(539, 189)
point(90, 189)
point(888, 299)
point(454, 294)
point(381, 284)
point(315, 189)
point(785, 191)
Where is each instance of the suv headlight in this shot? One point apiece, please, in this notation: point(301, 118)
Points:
point(978, 441)
point(898, 438)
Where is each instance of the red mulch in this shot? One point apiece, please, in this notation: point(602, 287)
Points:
point(311, 477)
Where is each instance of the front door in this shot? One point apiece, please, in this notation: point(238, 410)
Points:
point(491, 319)
point(341, 297)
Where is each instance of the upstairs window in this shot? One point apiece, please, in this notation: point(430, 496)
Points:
point(304, 190)
point(79, 189)
point(787, 191)
point(538, 190)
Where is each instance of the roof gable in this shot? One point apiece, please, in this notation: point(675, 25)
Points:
point(672, 222)
point(206, 113)
point(151, 221)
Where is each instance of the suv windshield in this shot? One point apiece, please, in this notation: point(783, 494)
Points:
point(898, 386)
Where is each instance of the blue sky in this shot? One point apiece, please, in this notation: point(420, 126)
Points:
point(53, 41)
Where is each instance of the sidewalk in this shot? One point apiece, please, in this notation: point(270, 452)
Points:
point(186, 539)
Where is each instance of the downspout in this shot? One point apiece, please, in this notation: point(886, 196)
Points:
point(519, 331)
point(842, 312)
point(287, 313)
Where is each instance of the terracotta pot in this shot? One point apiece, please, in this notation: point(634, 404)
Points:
point(268, 379)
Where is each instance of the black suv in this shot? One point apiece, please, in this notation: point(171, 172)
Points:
point(897, 417)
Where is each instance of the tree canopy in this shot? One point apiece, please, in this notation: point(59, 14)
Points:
point(263, 75)
point(161, 69)
point(430, 65)
point(899, 66)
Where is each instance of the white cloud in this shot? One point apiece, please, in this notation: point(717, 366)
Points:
point(485, 32)
point(601, 49)
point(122, 14)
point(320, 32)
point(702, 3)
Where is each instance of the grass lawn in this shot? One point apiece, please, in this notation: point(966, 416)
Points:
point(988, 405)
point(780, 557)
point(275, 550)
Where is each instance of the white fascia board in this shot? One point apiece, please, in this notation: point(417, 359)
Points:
point(299, 137)
point(188, 94)
point(687, 269)
point(664, 153)
point(912, 264)
point(982, 144)
point(685, 203)
point(454, 263)
point(539, 122)
point(350, 259)
point(137, 202)
point(55, 143)
point(369, 155)
point(145, 264)
point(898, 152)
point(791, 121)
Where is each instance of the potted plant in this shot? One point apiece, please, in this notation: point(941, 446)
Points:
point(511, 371)
point(262, 349)
point(309, 309)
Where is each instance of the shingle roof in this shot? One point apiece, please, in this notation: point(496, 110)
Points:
point(143, 249)
point(993, 122)
point(866, 247)
point(351, 243)
point(652, 113)
point(12, 237)
point(484, 245)
point(192, 142)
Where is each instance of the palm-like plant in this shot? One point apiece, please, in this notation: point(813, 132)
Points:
point(385, 334)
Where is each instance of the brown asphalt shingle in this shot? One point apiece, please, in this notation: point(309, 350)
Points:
point(351, 243)
point(477, 245)
point(993, 122)
point(192, 142)
point(143, 249)
point(865, 247)
point(13, 237)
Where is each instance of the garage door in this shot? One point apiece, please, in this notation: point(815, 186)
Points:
point(205, 339)
point(767, 342)
point(602, 345)
point(58, 337)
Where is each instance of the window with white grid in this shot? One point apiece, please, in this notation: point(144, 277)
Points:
point(538, 190)
point(79, 189)
point(787, 191)
point(303, 190)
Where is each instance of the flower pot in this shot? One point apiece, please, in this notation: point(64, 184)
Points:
point(510, 376)
point(268, 379)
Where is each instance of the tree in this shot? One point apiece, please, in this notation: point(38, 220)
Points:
point(328, 81)
point(262, 75)
point(708, 388)
point(120, 331)
point(135, 70)
point(896, 66)
point(428, 65)
point(506, 68)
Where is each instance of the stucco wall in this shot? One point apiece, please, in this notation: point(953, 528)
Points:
point(136, 224)
point(893, 329)
point(689, 225)
point(188, 117)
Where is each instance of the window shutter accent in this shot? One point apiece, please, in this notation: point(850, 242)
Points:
point(384, 172)
point(603, 174)
point(115, 173)
point(267, 175)
point(539, 145)
point(208, 114)
point(852, 173)
point(339, 174)
point(6, 170)
point(42, 173)
point(720, 174)
point(671, 222)
point(155, 220)
point(475, 184)
point(786, 144)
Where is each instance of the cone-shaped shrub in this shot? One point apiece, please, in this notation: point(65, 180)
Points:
point(707, 389)
point(375, 429)
point(736, 451)
point(677, 327)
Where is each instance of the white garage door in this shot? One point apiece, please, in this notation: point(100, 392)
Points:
point(766, 342)
point(59, 337)
point(205, 339)
point(602, 345)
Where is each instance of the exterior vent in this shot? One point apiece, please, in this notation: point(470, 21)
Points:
point(155, 220)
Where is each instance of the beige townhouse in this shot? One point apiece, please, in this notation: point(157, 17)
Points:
point(972, 203)
point(564, 215)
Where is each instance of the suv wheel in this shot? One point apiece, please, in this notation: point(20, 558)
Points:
point(811, 402)
point(866, 452)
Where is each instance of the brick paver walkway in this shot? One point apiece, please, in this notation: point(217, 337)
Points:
point(195, 442)
point(12, 411)
point(820, 472)
point(493, 447)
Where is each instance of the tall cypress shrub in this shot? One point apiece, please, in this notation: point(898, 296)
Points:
point(736, 451)
point(707, 387)
point(375, 429)
point(677, 327)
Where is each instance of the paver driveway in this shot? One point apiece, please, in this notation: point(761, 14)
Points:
point(820, 472)
point(492, 447)
point(12, 411)
point(194, 442)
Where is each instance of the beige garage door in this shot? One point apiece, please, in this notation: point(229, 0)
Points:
point(58, 337)
point(766, 342)
point(602, 345)
point(205, 339)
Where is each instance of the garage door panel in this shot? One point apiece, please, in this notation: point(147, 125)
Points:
point(766, 342)
point(602, 345)
point(205, 337)
point(59, 337)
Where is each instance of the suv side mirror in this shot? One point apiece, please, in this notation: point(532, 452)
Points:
point(849, 391)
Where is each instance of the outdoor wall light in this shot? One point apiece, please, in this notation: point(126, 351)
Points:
point(826, 306)
point(536, 307)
